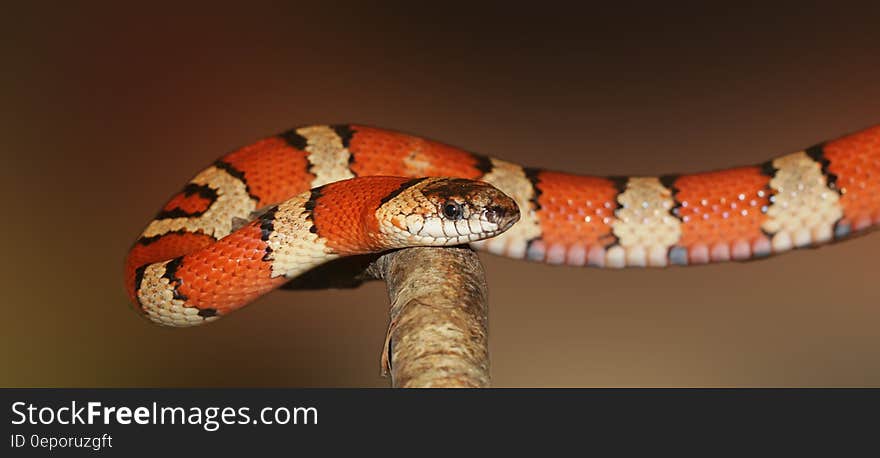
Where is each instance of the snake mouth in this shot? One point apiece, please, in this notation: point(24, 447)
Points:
point(479, 226)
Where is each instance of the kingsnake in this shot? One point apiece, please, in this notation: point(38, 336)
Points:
point(316, 193)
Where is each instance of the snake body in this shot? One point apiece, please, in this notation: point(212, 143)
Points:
point(322, 192)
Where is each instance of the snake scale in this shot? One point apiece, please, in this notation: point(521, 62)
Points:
point(267, 212)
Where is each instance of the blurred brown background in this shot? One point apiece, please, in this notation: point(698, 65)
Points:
point(109, 110)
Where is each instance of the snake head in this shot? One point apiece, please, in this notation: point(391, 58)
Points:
point(447, 211)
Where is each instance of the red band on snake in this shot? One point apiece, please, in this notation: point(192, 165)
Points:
point(192, 263)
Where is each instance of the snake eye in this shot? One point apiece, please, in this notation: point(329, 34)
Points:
point(452, 210)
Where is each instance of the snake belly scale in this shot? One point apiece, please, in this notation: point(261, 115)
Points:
point(322, 192)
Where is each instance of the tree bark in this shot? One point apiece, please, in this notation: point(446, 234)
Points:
point(438, 336)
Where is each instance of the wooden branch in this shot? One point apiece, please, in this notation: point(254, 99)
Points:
point(438, 336)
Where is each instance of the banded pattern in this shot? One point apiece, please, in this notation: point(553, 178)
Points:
point(810, 197)
point(206, 279)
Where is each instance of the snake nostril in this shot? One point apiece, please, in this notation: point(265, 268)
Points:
point(494, 214)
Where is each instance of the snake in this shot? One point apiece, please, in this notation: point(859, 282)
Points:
point(267, 212)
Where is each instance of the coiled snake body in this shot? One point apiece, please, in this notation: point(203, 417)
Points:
point(322, 192)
